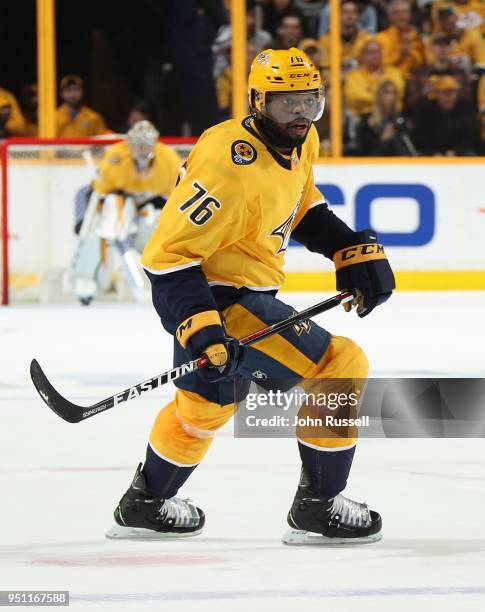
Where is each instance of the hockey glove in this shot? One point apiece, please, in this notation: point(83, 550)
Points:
point(203, 334)
point(362, 268)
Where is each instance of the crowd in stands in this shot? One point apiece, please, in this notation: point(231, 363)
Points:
point(73, 118)
point(412, 70)
point(413, 74)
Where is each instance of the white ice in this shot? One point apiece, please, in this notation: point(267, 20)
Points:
point(60, 482)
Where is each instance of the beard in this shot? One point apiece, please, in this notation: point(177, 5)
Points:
point(278, 137)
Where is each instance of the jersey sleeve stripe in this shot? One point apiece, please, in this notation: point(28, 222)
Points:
point(196, 262)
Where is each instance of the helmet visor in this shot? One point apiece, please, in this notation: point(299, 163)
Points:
point(284, 107)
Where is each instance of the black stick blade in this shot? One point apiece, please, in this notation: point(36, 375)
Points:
point(61, 406)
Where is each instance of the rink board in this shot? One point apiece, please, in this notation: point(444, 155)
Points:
point(430, 215)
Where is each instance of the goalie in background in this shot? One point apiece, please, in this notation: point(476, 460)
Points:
point(117, 213)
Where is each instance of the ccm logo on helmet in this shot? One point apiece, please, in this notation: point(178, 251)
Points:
point(297, 75)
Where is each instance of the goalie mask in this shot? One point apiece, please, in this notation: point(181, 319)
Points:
point(142, 138)
point(286, 95)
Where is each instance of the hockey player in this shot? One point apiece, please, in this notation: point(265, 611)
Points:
point(134, 180)
point(248, 186)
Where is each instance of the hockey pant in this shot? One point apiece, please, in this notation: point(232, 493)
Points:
point(304, 354)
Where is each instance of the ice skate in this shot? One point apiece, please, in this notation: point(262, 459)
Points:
point(321, 521)
point(142, 517)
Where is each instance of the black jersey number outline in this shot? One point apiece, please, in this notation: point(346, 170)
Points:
point(203, 212)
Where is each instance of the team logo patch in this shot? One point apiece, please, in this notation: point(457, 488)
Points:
point(259, 374)
point(263, 58)
point(302, 326)
point(243, 152)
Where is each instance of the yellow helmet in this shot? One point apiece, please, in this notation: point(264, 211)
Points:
point(290, 72)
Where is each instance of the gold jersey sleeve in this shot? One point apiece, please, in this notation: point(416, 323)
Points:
point(234, 210)
point(118, 172)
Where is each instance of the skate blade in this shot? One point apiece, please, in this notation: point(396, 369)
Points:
point(137, 533)
point(298, 537)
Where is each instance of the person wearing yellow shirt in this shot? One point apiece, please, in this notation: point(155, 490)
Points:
point(73, 118)
point(224, 83)
point(118, 212)
point(471, 14)
point(15, 124)
point(402, 46)
point(467, 45)
point(216, 261)
point(29, 100)
point(361, 84)
point(353, 38)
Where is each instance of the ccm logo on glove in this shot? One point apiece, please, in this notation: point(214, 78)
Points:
point(362, 267)
point(358, 254)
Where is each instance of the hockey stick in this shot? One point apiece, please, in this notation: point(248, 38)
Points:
point(74, 414)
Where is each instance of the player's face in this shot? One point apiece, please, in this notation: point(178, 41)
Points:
point(293, 113)
point(142, 152)
point(288, 107)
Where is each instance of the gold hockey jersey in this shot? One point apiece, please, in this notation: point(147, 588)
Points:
point(118, 172)
point(234, 208)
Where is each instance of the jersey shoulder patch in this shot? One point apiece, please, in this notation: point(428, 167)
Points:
point(243, 153)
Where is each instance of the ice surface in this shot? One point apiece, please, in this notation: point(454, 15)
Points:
point(60, 482)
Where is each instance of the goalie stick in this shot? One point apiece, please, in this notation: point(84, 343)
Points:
point(74, 414)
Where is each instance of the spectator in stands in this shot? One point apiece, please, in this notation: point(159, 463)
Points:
point(384, 131)
point(353, 38)
point(420, 84)
point(446, 124)
point(371, 14)
point(289, 32)
point(139, 111)
point(224, 84)
point(222, 44)
point(361, 84)
point(261, 39)
point(5, 115)
point(368, 16)
point(467, 45)
point(74, 119)
point(29, 102)
point(471, 13)
point(402, 46)
point(14, 125)
point(274, 10)
point(314, 51)
point(311, 10)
